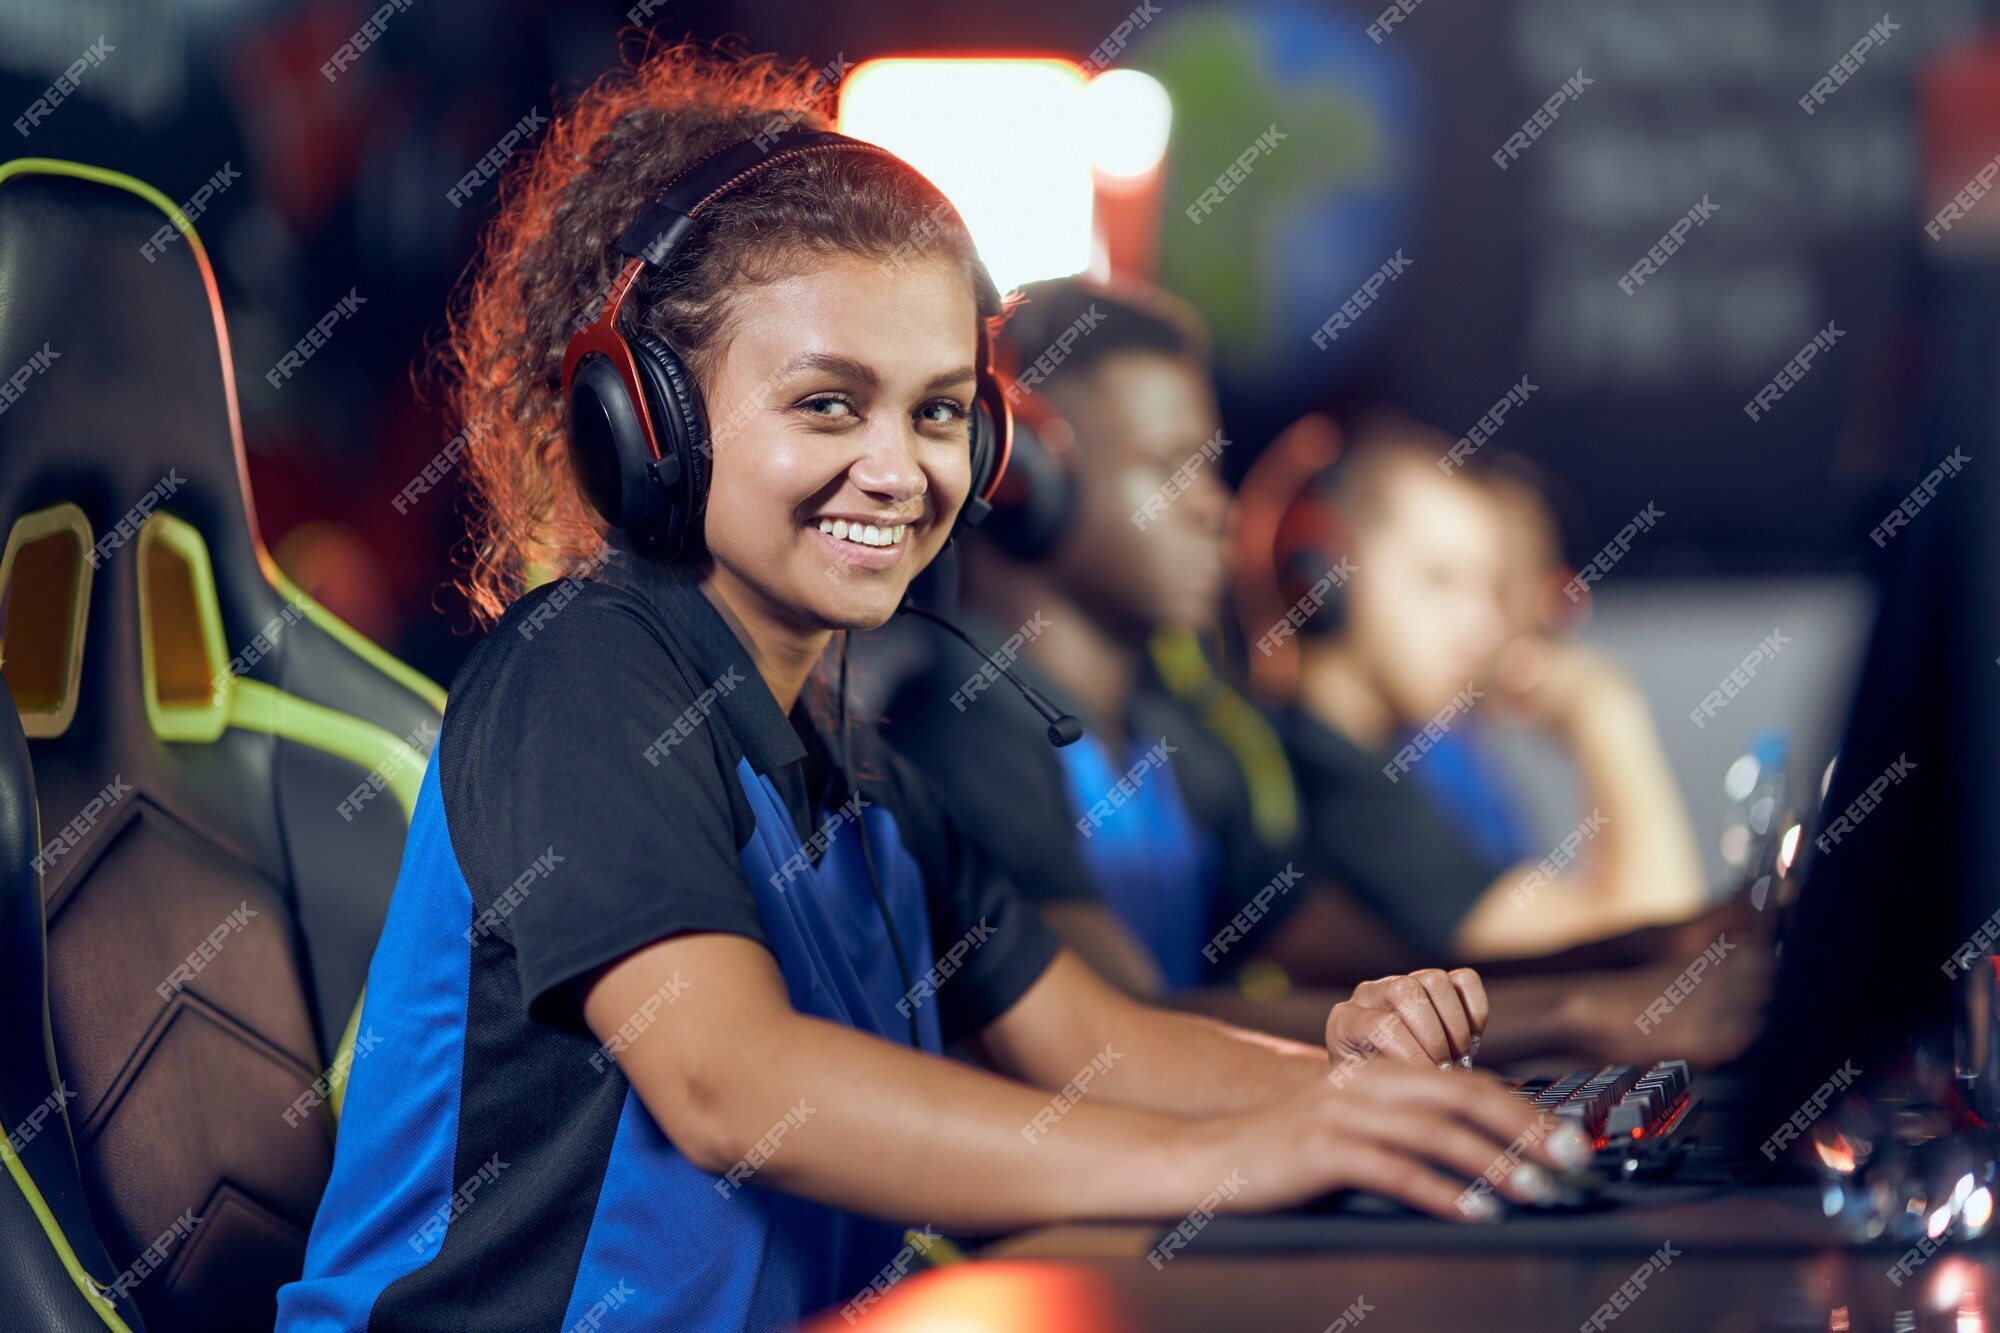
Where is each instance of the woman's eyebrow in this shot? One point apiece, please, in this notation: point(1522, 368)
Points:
point(847, 367)
point(833, 364)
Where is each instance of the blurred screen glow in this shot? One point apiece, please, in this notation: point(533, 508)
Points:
point(1127, 116)
point(1003, 139)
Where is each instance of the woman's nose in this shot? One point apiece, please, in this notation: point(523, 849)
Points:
point(888, 466)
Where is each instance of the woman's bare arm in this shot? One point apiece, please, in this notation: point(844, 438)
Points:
point(880, 1129)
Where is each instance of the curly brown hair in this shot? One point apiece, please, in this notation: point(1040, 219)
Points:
point(547, 260)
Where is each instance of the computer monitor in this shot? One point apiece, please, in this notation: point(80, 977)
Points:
point(1902, 869)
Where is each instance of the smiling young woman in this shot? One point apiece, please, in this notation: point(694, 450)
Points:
point(823, 302)
point(655, 1020)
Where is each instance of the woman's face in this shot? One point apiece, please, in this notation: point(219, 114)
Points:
point(841, 404)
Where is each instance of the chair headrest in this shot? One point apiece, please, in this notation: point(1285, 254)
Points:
point(114, 369)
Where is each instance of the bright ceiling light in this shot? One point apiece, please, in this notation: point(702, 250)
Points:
point(1003, 139)
point(1127, 116)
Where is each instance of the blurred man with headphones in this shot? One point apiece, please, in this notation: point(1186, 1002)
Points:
point(1142, 844)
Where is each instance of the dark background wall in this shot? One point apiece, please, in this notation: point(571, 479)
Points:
point(344, 185)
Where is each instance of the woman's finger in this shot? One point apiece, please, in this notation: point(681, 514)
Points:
point(1364, 1029)
point(1401, 1176)
point(1467, 1153)
point(1450, 1008)
point(1472, 994)
point(1407, 998)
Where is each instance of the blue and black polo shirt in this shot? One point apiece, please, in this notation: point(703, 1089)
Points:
point(1464, 778)
point(1156, 827)
point(612, 770)
point(1387, 843)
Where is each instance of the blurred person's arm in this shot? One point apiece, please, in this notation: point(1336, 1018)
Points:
point(1640, 863)
point(1589, 1015)
point(1330, 939)
point(1099, 938)
point(1096, 935)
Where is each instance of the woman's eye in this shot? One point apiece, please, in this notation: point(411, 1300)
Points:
point(943, 412)
point(815, 407)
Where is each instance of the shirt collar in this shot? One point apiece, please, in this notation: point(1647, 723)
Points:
point(703, 639)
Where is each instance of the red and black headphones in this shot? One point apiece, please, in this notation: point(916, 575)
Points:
point(1312, 538)
point(1286, 532)
point(1033, 505)
point(638, 443)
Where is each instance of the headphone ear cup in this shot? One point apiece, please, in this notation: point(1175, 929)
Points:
point(990, 433)
point(984, 435)
point(1332, 617)
point(1036, 498)
point(608, 452)
point(1305, 579)
point(683, 437)
point(1311, 546)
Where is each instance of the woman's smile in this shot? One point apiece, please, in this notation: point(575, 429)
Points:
point(855, 542)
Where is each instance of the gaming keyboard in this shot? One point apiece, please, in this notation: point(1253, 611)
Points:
point(1631, 1114)
point(1620, 1108)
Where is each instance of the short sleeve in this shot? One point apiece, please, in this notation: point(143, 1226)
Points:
point(587, 803)
point(977, 916)
point(1384, 842)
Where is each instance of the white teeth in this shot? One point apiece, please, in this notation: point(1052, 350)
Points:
point(865, 534)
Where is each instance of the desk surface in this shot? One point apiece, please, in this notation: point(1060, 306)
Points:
point(1098, 1280)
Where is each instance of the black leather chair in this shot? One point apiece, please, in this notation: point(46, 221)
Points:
point(223, 773)
point(41, 1202)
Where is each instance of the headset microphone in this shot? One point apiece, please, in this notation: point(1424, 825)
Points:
point(1063, 729)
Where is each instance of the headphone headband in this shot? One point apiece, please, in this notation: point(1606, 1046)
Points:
point(659, 230)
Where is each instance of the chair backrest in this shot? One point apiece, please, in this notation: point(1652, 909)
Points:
point(49, 1251)
point(223, 771)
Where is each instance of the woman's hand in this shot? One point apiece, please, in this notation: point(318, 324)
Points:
point(1429, 1017)
point(1442, 1143)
